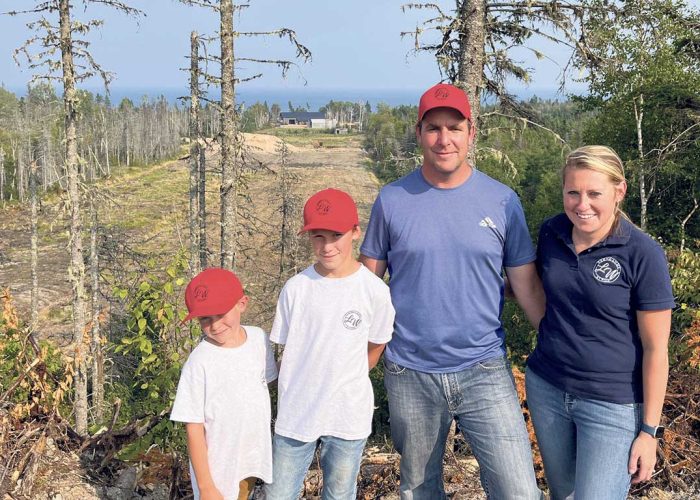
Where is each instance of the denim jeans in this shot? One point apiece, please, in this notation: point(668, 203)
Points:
point(483, 400)
point(585, 443)
point(340, 463)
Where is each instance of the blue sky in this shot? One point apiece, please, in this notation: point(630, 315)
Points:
point(356, 44)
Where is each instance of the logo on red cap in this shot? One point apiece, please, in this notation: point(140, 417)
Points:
point(330, 209)
point(200, 293)
point(323, 207)
point(444, 95)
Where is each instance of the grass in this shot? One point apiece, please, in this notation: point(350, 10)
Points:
point(314, 137)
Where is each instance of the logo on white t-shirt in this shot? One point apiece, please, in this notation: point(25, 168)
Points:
point(607, 270)
point(352, 319)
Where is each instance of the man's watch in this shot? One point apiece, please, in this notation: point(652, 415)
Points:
point(655, 432)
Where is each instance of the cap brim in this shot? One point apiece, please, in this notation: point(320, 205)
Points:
point(420, 118)
point(187, 318)
point(311, 227)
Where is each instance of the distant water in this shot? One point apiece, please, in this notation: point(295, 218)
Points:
point(309, 98)
point(312, 99)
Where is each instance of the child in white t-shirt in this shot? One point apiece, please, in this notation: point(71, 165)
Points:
point(222, 394)
point(334, 319)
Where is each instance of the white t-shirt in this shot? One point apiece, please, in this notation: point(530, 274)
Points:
point(226, 390)
point(325, 323)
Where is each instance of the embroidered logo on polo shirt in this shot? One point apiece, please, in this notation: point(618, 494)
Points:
point(352, 319)
point(607, 270)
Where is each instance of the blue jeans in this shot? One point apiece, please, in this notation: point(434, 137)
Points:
point(340, 463)
point(585, 443)
point(483, 400)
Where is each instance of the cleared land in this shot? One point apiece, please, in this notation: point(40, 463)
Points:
point(144, 214)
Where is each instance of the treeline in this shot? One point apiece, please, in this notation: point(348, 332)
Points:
point(126, 134)
point(527, 155)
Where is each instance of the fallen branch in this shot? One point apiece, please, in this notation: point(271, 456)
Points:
point(19, 379)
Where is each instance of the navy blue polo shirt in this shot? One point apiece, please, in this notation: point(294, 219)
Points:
point(588, 342)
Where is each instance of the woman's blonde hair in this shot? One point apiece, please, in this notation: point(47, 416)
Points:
point(600, 159)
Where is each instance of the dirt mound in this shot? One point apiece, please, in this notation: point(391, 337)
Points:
point(269, 144)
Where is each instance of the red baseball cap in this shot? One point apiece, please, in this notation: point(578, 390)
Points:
point(330, 209)
point(444, 95)
point(212, 292)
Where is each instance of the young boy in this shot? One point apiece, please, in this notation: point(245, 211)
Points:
point(334, 319)
point(222, 395)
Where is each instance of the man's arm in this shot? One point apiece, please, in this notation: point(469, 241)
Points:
point(197, 446)
point(374, 352)
point(378, 267)
point(528, 291)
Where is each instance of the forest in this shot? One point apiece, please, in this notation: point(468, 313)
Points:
point(107, 209)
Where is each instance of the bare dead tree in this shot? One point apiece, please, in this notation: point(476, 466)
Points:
point(230, 139)
point(34, 246)
point(197, 216)
point(290, 208)
point(75, 64)
point(2, 176)
point(98, 372)
point(475, 40)
point(228, 134)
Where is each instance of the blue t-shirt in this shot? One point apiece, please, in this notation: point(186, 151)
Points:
point(445, 250)
point(588, 343)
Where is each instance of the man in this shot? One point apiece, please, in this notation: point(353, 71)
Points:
point(444, 232)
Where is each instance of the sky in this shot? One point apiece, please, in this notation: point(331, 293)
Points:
point(356, 44)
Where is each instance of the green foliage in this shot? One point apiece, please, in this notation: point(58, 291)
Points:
point(380, 418)
point(153, 346)
point(45, 377)
point(645, 77)
point(685, 278)
point(256, 117)
point(520, 336)
point(390, 141)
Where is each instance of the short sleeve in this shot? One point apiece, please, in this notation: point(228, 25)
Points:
point(382, 327)
point(280, 326)
point(518, 249)
point(189, 399)
point(652, 286)
point(270, 363)
point(376, 242)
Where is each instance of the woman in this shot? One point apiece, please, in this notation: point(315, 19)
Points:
point(597, 379)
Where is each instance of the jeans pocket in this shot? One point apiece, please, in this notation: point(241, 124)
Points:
point(392, 368)
point(493, 363)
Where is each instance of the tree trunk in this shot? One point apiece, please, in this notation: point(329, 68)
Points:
point(19, 172)
point(98, 379)
point(2, 176)
point(472, 37)
point(76, 269)
point(228, 137)
point(195, 135)
point(202, 205)
point(643, 196)
point(685, 221)
point(34, 247)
